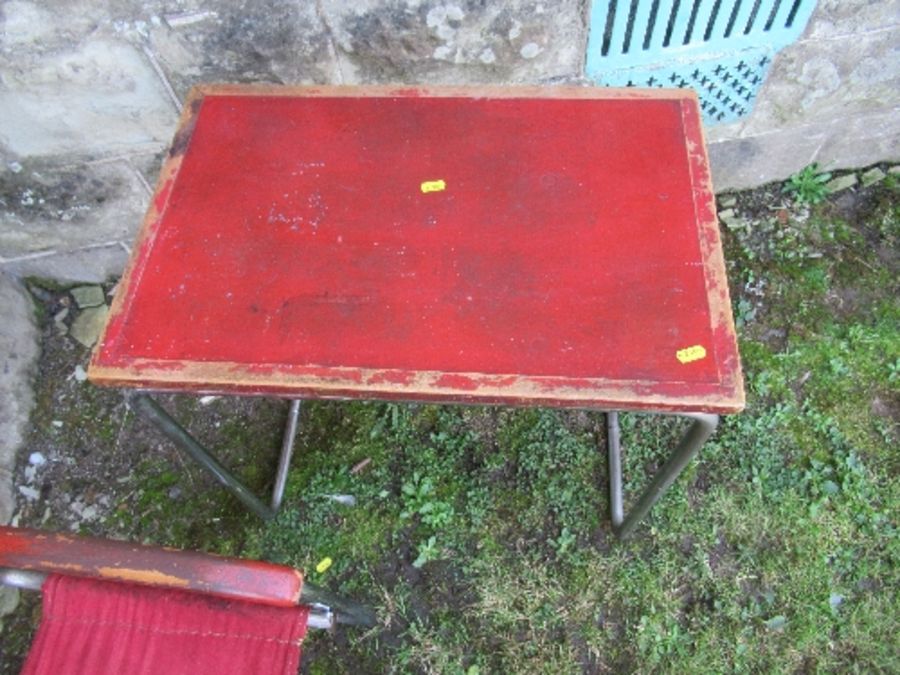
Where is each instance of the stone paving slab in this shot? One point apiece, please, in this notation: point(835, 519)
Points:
point(93, 264)
point(96, 91)
point(48, 207)
point(438, 42)
point(19, 352)
point(88, 296)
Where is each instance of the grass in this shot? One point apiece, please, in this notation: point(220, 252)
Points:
point(481, 534)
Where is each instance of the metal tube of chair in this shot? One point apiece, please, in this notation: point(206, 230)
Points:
point(320, 618)
point(287, 450)
point(615, 467)
point(153, 412)
point(702, 428)
point(27, 580)
point(345, 611)
point(23, 579)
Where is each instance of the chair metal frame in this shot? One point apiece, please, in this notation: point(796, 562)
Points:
point(27, 556)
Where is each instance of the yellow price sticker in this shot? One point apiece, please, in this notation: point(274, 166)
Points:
point(433, 186)
point(689, 354)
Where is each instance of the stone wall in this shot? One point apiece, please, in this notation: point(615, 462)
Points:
point(91, 91)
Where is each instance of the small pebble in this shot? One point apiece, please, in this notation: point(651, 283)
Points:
point(80, 373)
point(841, 183)
point(37, 458)
point(731, 219)
point(88, 296)
point(29, 493)
point(87, 325)
point(873, 176)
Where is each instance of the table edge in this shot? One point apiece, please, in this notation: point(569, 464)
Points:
point(439, 91)
point(394, 384)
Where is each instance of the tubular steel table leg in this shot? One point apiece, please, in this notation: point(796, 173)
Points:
point(615, 468)
point(702, 428)
point(287, 449)
point(153, 412)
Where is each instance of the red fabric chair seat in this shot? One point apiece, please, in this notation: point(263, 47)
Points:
point(98, 627)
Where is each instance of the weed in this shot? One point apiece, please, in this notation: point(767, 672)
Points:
point(808, 185)
point(428, 550)
point(419, 500)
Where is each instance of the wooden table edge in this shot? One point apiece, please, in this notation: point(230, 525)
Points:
point(411, 386)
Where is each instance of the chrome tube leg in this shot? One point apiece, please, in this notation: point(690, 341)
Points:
point(153, 412)
point(615, 467)
point(25, 579)
point(702, 428)
point(345, 610)
point(287, 450)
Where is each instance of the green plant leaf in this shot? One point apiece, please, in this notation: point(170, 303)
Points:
point(776, 623)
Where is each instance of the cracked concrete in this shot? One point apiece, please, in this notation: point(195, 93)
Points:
point(18, 358)
point(47, 207)
point(19, 353)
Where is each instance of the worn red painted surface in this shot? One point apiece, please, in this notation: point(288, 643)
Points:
point(251, 580)
point(572, 253)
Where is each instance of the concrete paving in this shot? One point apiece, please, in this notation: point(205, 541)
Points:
point(19, 351)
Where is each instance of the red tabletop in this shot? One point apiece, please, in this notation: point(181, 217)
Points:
point(553, 246)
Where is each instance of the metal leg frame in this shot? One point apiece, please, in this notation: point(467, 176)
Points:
point(154, 413)
point(326, 608)
point(700, 430)
point(287, 449)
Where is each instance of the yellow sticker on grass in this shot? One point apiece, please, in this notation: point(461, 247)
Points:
point(433, 186)
point(689, 354)
point(323, 565)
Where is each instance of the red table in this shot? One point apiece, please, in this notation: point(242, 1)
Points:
point(524, 246)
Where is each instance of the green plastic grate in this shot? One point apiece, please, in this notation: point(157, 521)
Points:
point(720, 48)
